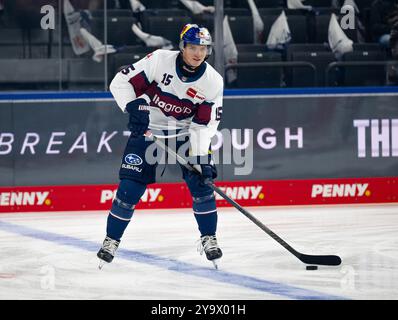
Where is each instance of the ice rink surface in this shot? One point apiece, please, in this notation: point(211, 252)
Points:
point(53, 255)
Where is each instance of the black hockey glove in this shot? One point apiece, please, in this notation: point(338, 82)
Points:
point(138, 117)
point(207, 167)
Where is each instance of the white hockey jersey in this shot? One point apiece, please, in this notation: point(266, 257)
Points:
point(176, 102)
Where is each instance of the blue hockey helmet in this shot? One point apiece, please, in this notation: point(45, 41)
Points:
point(192, 33)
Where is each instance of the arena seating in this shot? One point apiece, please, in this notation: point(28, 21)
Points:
point(364, 75)
point(259, 77)
point(36, 50)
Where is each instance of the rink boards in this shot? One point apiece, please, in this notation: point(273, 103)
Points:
point(176, 195)
point(61, 151)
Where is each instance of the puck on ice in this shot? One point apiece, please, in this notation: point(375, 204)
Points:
point(311, 267)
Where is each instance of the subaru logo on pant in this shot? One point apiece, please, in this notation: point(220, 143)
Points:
point(133, 159)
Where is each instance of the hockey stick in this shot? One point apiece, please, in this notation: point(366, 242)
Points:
point(328, 260)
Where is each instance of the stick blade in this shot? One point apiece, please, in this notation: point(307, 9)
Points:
point(328, 260)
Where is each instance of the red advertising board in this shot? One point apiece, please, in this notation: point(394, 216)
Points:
point(176, 195)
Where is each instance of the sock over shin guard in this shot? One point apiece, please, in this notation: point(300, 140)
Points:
point(127, 196)
point(205, 212)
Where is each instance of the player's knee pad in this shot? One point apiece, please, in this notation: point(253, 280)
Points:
point(194, 183)
point(127, 196)
point(202, 195)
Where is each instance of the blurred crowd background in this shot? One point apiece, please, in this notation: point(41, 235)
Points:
point(81, 44)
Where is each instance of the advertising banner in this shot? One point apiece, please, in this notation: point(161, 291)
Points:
point(6, 134)
point(61, 154)
point(81, 141)
point(309, 137)
point(176, 195)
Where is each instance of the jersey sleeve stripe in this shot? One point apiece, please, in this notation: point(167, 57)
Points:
point(203, 113)
point(140, 83)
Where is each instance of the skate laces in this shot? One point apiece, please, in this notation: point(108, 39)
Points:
point(110, 245)
point(207, 243)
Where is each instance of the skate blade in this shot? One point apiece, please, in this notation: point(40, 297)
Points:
point(101, 264)
point(215, 263)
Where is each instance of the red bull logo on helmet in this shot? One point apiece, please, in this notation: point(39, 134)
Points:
point(192, 33)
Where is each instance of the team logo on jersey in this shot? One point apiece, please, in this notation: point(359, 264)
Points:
point(133, 159)
point(170, 108)
point(195, 94)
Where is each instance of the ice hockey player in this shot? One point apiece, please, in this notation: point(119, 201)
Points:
point(168, 92)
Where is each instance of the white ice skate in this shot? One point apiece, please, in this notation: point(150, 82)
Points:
point(208, 245)
point(107, 252)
